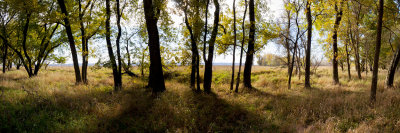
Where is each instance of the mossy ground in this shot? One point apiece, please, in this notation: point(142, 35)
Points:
point(51, 102)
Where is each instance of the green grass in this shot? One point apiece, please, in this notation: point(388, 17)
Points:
point(51, 102)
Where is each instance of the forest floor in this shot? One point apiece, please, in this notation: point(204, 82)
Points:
point(51, 102)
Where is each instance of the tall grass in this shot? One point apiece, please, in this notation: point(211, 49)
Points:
point(51, 102)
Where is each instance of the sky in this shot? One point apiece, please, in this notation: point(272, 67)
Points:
point(276, 8)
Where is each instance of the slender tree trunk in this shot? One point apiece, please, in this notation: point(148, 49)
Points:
point(18, 65)
point(156, 78)
point(198, 70)
point(377, 51)
point(195, 54)
point(292, 63)
point(358, 64)
point(393, 67)
point(71, 41)
point(241, 48)
point(109, 46)
point(5, 50)
point(25, 34)
point(209, 62)
point(119, 65)
point(142, 65)
point(298, 64)
point(357, 53)
point(205, 33)
point(234, 44)
point(335, 49)
point(250, 50)
point(308, 47)
point(347, 59)
point(129, 56)
point(85, 51)
point(287, 45)
point(342, 66)
point(42, 52)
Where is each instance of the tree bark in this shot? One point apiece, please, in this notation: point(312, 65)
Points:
point(5, 53)
point(287, 46)
point(42, 52)
point(119, 65)
point(393, 67)
point(334, 45)
point(241, 48)
point(377, 51)
point(308, 47)
point(195, 55)
point(71, 41)
point(209, 62)
point(109, 47)
point(234, 44)
point(250, 51)
point(348, 59)
point(156, 79)
point(25, 34)
point(85, 51)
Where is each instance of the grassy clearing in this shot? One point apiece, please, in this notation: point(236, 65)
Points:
point(51, 102)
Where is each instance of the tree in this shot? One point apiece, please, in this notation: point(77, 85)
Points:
point(193, 25)
point(116, 75)
point(392, 69)
point(250, 50)
point(89, 26)
point(308, 47)
point(339, 13)
point(117, 41)
point(234, 44)
point(152, 12)
point(211, 42)
point(377, 50)
point(37, 33)
point(241, 48)
point(71, 40)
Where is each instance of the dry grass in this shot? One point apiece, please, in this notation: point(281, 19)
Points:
point(51, 102)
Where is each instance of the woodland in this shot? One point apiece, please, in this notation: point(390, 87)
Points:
point(155, 66)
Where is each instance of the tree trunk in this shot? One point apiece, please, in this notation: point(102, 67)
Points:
point(241, 48)
point(393, 67)
point(85, 51)
point(292, 64)
point(71, 41)
point(109, 47)
point(25, 34)
point(287, 45)
point(335, 49)
point(234, 44)
point(357, 53)
point(119, 65)
point(5, 50)
point(42, 52)
point(342, 66)
point(377, 51)
point(209, 62)
point(18, 66)
point(195, 55)
point(156, 79)
point(308, 47)
point(347, 59)
point(250, 50)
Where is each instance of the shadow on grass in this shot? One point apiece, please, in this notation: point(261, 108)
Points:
point(188, 111)
point(29, 113)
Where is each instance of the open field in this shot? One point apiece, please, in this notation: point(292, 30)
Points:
point(51, 102)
